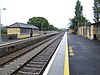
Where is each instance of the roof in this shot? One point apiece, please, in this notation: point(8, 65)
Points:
point(97, 23)
point(22, 25)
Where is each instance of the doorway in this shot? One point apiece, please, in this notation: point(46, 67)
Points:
point(95, 38)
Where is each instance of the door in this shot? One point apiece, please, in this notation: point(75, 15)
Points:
point(95, 37)
point(31, 34)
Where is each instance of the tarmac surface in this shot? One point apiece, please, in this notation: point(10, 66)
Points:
point(86, 58)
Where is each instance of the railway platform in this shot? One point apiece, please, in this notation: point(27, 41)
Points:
point(59, 64)
point(50, 53)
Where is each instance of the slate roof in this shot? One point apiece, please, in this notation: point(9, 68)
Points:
point(97, 23)
point(22, 25)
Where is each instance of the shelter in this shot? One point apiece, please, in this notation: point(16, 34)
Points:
point(22, 30)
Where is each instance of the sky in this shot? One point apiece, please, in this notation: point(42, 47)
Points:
point(57, 12)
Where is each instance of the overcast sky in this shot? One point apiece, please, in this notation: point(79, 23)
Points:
point(57, 12)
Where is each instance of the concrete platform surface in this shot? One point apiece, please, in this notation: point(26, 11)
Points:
point(58, 64)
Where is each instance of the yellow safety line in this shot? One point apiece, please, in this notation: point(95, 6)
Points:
point(70, 47)
point(66, 64)
point(71, 52)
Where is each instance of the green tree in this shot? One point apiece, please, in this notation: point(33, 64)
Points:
point(78, 19)
point(40, 22)
point(51, 27)
point(96, 9)
point(78, 10)
point(73, 24)
point(78, 13)
point(4, 30)
point(56, 29)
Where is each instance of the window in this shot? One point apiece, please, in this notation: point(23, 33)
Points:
point(25, 31)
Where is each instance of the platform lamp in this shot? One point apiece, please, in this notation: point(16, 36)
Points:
point(1, 24)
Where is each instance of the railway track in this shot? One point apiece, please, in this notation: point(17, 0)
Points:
point(11, 57)
point(33, 62)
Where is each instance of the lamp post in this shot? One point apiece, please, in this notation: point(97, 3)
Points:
point(1, 24)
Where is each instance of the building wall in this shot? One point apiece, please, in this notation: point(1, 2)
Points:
point(23, 35)
point(35, 32)
point(99, 32)
point(19, 34)
point(87, 32)
point(71, 30)
point(95, 30)
point(13, 31)
point(92, 32)
point(81, 30)
point(92, 37)
point(17, 31)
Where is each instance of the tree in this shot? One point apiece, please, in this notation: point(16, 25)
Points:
point(73, 24)
point(96, 9)
point(51, 27)
point(78, 12)
point(78, 19)
point(4, 30)
point(56, 29)
point(40, 22)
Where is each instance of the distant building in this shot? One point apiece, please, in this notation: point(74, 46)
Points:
point(71, 30)
point(22, 30)
point(81, 30)
point(93, 31)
